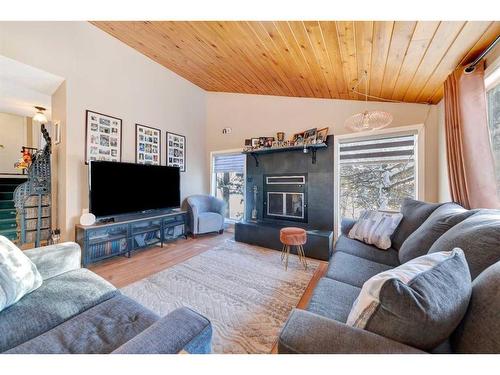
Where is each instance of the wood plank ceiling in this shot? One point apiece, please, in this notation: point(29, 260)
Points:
point(405, 60)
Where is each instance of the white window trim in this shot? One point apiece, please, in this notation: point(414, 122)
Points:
point(212, 178)
point(419, 129)
point(492, 75)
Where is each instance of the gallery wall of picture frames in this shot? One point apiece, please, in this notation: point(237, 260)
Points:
point(103, 141)
point(176, 151)
point(147, 145)
point(103, 137)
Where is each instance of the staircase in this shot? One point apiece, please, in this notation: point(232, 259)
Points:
point(8, 223)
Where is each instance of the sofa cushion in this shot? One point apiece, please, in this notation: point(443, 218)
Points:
point(100, 329)
point(440, 221)
point(353, 270)
point(57, 300)
point(478, 236)
point(333, 299)
point(414, 214)
point(419, 303)
point(362, 250)
point(479, 331)
point(210, 222)
point(375, 228)
point(18, 274)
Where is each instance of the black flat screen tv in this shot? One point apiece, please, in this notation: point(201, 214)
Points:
point(121, 188)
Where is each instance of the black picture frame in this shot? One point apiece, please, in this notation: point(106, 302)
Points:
point(176, 150)
point(144, 153)
point(93, 119)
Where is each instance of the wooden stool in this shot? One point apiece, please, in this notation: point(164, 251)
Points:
point(292, 236)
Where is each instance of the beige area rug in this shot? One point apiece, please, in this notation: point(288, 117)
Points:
point(244, 290)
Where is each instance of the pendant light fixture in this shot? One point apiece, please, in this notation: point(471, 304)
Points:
point(39, 115)
point(367, 120)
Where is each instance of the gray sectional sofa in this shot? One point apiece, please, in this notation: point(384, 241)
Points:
point(425, 228)
point(76, 311)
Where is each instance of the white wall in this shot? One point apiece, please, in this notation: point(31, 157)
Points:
point(13, 136)
point(105, 75)
point(258, 115)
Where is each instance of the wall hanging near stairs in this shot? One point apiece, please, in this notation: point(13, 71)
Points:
point(32, 198)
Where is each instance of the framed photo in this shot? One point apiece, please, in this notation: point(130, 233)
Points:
point(269, 142)
point(176, 151)
point(255, 142)
point(310, 136)
point(103, 135)
point(298, 138)
point(147, 145)
point(322, 135)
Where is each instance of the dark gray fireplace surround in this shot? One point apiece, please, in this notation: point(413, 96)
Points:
point(300, 194)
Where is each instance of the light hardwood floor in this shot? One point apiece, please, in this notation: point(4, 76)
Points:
point(122, 271)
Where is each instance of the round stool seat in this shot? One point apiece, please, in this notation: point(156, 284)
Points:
point(293, 236)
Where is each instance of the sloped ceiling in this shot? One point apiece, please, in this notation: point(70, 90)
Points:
point(404, 60)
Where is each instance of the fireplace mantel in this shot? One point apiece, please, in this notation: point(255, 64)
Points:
point(318, 195)
point(310, 149)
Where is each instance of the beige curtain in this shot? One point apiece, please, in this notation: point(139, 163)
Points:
point(470, 159)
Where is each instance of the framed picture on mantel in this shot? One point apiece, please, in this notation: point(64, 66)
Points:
point(147, 145)
point(103, 137)
point(176, 151)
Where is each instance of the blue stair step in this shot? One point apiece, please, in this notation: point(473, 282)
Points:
point(11, 234)
point(9, 213)
point(6, 204)
point(8, 224)
point(6, 195)
point(8, 187)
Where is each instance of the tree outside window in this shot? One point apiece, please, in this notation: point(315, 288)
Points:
point(229, 182)
point(376, 174)
point(229, 187)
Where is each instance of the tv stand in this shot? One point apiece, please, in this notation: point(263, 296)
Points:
point(127, 234)
point(106, 220)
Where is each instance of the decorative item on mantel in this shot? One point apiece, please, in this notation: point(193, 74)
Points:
point(306, 138)
point(254, 209)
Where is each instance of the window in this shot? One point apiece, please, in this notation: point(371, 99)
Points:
point(376, 173)
point(493, 97)
point(228, 182)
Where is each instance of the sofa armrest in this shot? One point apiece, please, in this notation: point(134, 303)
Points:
point(54, 260)
point(306, 332)
point(346, 225)
point(182, 329)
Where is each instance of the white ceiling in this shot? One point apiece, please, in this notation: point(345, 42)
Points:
point(22, 87)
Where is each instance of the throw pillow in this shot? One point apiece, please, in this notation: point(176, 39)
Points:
point(419, 303)
point(440, 221)
point(478, 236)
point(375, 228)
point(18, 274)
point(414, 214)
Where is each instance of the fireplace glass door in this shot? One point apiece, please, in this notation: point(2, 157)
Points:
point(286, 205)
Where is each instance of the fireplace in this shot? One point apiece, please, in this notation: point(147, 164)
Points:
point(285, 197)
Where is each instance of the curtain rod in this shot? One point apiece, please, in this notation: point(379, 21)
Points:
point(470, 68)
